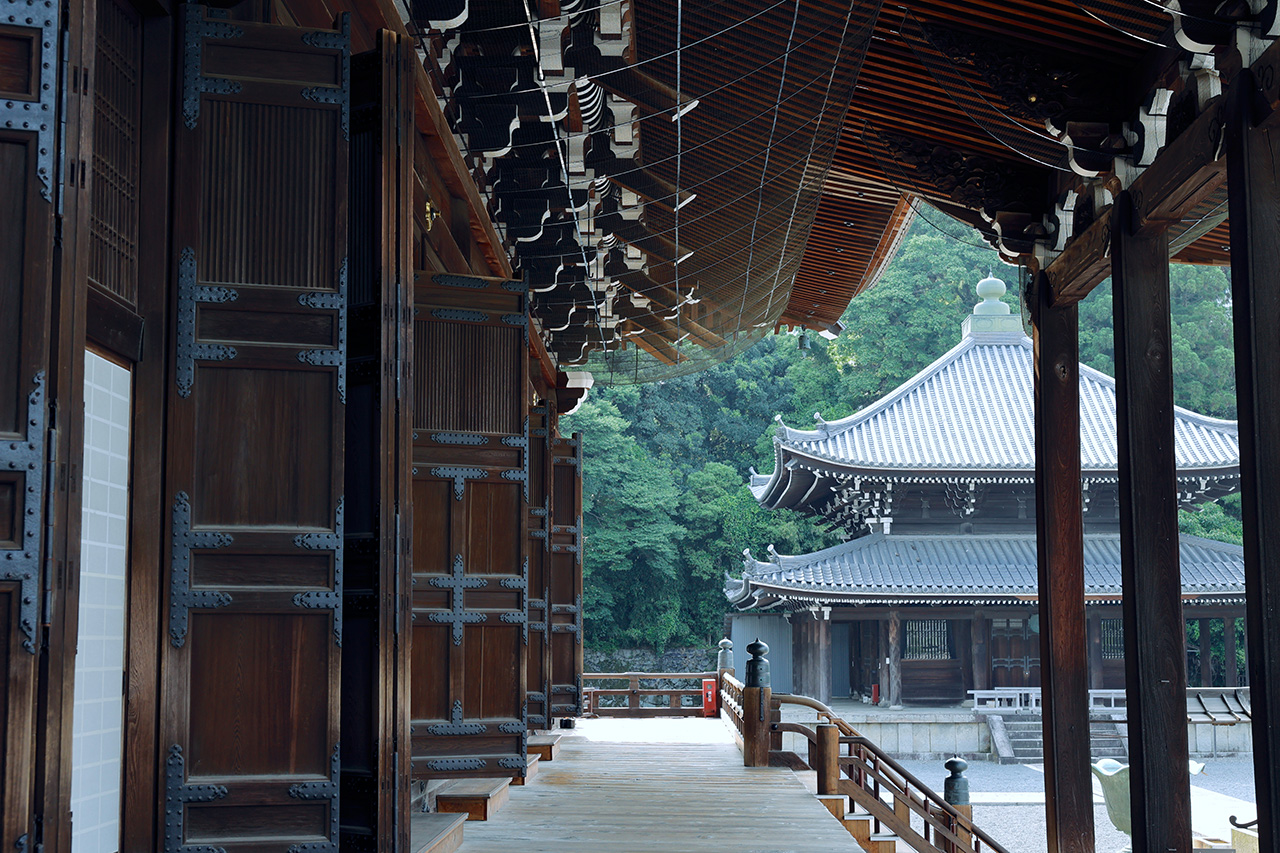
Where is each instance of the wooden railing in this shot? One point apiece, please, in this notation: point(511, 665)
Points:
point(633, 697)
point(895, 800)
point(731, 700)
point(906, 806)
point(1026, 700)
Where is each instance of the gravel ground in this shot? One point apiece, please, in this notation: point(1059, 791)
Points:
point(1022, 829)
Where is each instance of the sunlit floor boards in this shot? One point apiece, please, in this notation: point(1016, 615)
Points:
point(622, 797)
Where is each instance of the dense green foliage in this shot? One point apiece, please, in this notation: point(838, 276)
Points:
point(666, 504)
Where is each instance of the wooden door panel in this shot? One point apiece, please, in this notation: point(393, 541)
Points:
point(28, 101)
point(257, 412)
point(564, 583)
point(538, 666)
point(375, 801)
point(471, 488)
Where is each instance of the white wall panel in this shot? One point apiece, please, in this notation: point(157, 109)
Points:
point(99, 701)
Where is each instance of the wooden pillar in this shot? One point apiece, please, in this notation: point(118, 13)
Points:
point(1254, 193)
point(1095, 650)
point(882, 658)
point(1154, 631)
point(755, 726)
point(827, 755)
point(895, 659)
point(978, 644)
point(1206, 654)
point(1064, 671)
point(821, 658)
point(799, 654)
point(1230, 671)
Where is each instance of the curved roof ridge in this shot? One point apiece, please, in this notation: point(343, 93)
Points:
point(842, 425)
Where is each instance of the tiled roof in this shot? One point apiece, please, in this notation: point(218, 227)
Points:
point(974, 409)
point(960, 566)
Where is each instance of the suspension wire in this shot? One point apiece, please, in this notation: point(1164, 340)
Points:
point(853, 82)
point(1046, 143)
point(658, 113)
point(795, 16)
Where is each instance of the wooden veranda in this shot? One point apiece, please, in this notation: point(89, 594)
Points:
point(298, 290)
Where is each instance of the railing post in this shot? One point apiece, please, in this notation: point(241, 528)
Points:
point(633, 699)
point(756, 716)
point(827, 758)
point(724, 666)
point(955, 791)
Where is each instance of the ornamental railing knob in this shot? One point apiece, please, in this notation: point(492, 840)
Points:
point(757, 667)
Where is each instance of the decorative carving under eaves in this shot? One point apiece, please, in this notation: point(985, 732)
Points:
point(976, 182)
point(1033, 84)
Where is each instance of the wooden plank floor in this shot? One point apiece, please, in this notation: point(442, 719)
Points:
point(623, 797)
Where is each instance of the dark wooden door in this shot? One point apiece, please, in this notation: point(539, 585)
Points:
point(555, 570)
point(538, 680)
point(1015, 654)
point(470, 516)
point(28, 99)
point(256, 418)
point(375, 715)
point(564, 581)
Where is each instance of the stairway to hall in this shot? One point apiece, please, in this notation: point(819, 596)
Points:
point(1026, 735)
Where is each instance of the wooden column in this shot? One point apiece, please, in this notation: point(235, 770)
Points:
point(827, 756)
point(821, 659)
point(1064, 671)
point(981, 661)
point(1254, 192)
point(1206, 654)
point(755, 726)
point(882, 658)
point(895, 659)
point(1154, 631)
point(1230, 672)
point(1095, 651)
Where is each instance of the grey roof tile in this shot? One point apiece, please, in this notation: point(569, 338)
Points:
point(975, 565)
point(973, 409)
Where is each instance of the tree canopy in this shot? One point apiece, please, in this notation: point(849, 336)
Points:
point(667, 511)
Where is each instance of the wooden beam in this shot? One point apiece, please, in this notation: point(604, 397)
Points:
point(1254, 190)
point(1154, 631)
point(644, 183)
point(1230, 671)
point(1083, 265)
point(1183, 174)
point(1064, 670)
point(641, 284)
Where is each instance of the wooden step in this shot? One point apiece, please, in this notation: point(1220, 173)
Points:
point(837, 804)
point(435, 833)
point(547, 747)
point(881, 842)
point(530, 771)
point(478, 799)
point(859, 826)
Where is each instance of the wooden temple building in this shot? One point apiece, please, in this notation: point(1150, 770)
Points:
point(934, 594)
point(294, 292)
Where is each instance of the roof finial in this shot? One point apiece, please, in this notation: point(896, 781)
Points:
point(991, 289)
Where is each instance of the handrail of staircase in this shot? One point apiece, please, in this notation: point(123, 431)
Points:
point(928, 806)
point(823, 711)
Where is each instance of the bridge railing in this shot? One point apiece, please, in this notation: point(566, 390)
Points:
point(1221, 706)
point(881, 790)
point(636, 701)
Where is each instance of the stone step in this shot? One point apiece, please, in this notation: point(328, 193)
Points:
point(530, 770)
point(546, 746)
point(435, 833)
point(478, 799)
